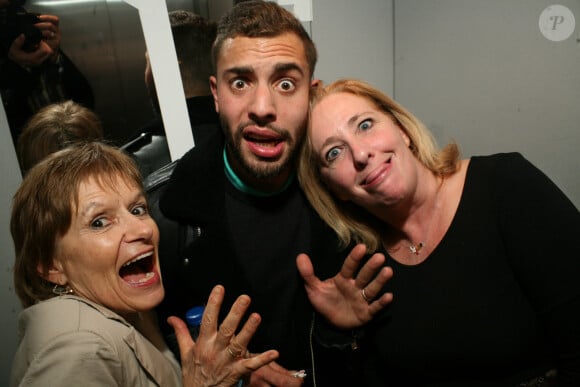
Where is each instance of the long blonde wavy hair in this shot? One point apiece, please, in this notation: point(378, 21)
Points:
point(353, 223)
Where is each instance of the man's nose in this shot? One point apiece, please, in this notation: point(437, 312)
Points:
point(262, 108)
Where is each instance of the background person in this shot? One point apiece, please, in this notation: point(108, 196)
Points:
point(87, 267)
point(55, 127)
point(34, 71)
point(485, 281)
point(193, 37)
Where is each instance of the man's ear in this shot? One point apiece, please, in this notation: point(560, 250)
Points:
point(213, 87)
point(315, 83)
point(55, 273)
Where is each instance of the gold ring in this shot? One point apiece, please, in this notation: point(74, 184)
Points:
point(364, 295)
point(234, 355)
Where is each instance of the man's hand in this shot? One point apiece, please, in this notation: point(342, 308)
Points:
point(346, 301)
point(274, 375)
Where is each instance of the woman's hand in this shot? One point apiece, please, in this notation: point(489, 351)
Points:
point(346, 301)
point(219, 357)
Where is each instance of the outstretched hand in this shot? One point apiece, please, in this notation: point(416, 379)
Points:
point(348, 302)
point(219, 357)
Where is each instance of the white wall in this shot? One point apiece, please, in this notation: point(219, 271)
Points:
point(354, 40)
point(482, 73)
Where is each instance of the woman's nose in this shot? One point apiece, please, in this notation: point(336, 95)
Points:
point(139, 228)
point(360, 156)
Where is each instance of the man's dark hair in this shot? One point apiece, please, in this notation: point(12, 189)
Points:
point(193, 36)
point(255, 19)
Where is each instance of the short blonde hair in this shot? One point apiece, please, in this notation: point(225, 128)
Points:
point(353, 223)
point(43, 206)
point(55, 127)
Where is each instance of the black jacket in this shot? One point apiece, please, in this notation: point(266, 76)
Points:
point(196, 252)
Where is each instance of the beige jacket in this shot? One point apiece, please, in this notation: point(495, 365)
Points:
point(70, 341)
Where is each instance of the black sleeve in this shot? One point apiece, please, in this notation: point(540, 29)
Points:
point(541, 228)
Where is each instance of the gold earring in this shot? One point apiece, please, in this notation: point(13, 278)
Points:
point(61, 290)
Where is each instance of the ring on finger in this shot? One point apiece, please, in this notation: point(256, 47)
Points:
point(364, 295)
point(234, 354)
point(233, 344)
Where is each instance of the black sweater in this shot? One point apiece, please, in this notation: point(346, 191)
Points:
point(498, 301)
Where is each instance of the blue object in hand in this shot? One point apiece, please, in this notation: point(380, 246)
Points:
point(193, 316)
point(193, 319)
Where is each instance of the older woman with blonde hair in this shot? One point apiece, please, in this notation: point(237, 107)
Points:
point(87, 274)
point(485, 268)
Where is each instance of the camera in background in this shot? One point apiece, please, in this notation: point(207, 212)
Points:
point(15, 20)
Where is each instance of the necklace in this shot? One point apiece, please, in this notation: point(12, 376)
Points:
point(416, 248)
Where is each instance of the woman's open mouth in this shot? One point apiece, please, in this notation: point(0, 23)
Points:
point(139, 271)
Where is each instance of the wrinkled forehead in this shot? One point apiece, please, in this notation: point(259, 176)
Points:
point(252, 52)
point(107, 182)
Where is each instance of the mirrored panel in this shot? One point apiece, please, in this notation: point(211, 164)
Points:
point(104, 43)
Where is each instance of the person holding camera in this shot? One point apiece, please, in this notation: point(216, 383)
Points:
point(34, 72)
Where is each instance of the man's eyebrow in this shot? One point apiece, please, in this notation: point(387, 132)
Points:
point(279, 68)
point(239, 70)
point(285, 67)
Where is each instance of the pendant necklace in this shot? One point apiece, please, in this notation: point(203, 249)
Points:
point(415, 249)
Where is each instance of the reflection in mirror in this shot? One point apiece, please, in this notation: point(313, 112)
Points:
point(163, 60)
point(105, 41)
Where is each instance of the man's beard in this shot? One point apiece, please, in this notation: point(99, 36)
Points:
point(264, 169)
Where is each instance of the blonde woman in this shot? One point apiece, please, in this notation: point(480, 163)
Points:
point(485, 284)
